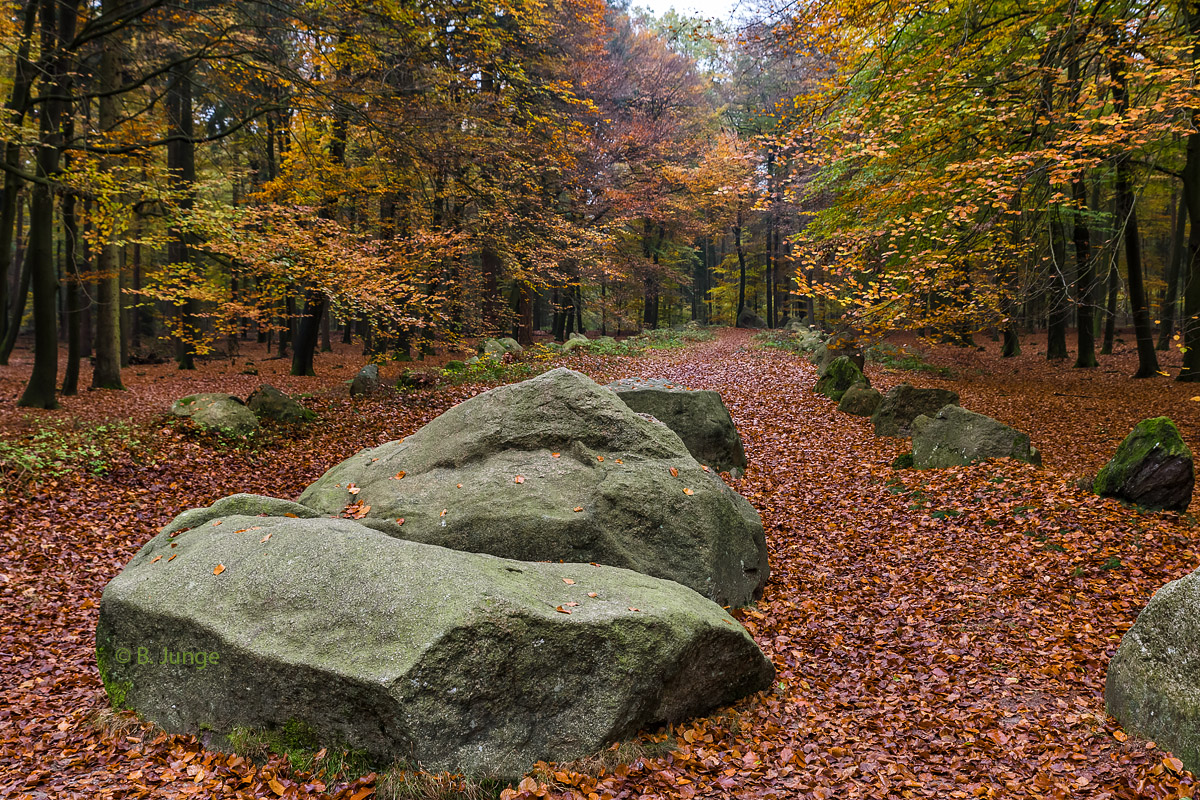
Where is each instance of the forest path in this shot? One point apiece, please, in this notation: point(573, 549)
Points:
point(939, 634)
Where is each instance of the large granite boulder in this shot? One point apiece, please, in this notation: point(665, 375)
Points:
point(904, 403)
point(955, 437)
point(241, 505)
point(699, 417)
point(216, 411)
point(455, 661)
point(860, 400)
point(824, 355)
point(1153, 683)
point(1152, 468)
point(748, 319)
point(366, 382)
point(839, 377)
point(267, 402)
point(557, 468)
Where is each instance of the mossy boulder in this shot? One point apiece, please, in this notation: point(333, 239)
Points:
point(500, 347)
point(1153, 682)
point(557, 468)
point(267, 402)
point(216, 411)
point(860, 400)
point(748, 319)
point(904, 403)
point(698, 416)
point(454, 661)
point(839, 377)
point(366, 382)
point(956, 437)
point(1152, 468)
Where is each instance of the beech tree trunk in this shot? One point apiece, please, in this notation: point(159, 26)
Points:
point(106, 372)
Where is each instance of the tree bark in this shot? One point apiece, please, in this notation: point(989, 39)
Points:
point(17, 106)
point(1085, 277)
point(181, 168)
point(106, 372)
point(1174, 267)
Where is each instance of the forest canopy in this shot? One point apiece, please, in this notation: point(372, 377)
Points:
point(421, 175)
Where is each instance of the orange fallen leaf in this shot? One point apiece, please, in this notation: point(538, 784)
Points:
point(599, 458)
point(399, 475)
point(1120, 735)
point(460, 486)
point(519, 479)
point(444, 510)
point(555, 455)
point(218, 569)
point(578, 508)
point(619, 461)
point(172, 558)
point(155, 559)
point(674, 472)
point(592, 594)
point(568, 581)
point(218, 522)
point(631, 608)
point(688, 491)
point(263, 539)
point(352, 489)
point(563, 610)
point(571, 605)
point(400, 521)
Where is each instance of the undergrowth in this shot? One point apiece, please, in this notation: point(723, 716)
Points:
point(893, 357)
point(58, 449)
point(299, 744)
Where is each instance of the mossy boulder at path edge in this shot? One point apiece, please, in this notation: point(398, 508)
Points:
point(216, 411)
point(860, 400)
point(451, 661)
point(699, 417)
point(557, 468)
point(1152, 468)
point(955, 437)
point(366, 382)
point(904, 403)
point(839, 377)
point(1153, 681)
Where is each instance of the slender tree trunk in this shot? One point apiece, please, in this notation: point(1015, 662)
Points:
point(181, 167)
point(17, 105)
point(1110, 307)
point(1085, 278)
point(1174, 268)
point(1127, 215)
point(57, 29)
point(1060, 304)
point(20, 299)
point(741, 257)
point(71, 280)
point(106, 373)
point(1190, 322)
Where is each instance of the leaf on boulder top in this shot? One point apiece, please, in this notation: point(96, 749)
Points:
point(218, 569)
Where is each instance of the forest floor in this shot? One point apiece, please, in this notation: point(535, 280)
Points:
point(935, 634)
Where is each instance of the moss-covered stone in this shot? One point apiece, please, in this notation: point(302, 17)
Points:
point(267, 402)
point(956, 437)
point(1152, 468)
point(839, 377)
point(216, 411)
point(860, 400)
point(904, 403)
point(1153, 682)
point(458, 661)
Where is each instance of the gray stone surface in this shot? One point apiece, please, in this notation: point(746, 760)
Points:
point(216, 411)
point(455, 661)
point(699, 417)
point(613, 465)
point(904, 403)
point(366, 382)
point(860, 400)
point(245, 505)
point(267, 402)
point(1152, 467)
point(1153, 682)
point(500, 347)
point(956, 437)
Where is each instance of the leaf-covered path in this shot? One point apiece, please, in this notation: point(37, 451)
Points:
point(940, 634)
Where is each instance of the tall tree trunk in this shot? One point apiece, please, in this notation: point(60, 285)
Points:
point(1127, 215)
point(106, 372)
point(57, 29)
point(741, 257)
point(181, 167)
point(1110, 306)
point(20, 299)
point(71, 279)
point(1085, 277)
point(18, 104)
point(1190, 323)
point(1060, 303)
point(1174, 268)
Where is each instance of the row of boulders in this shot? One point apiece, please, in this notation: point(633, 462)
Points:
point(236, 417)
point(535, 573)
